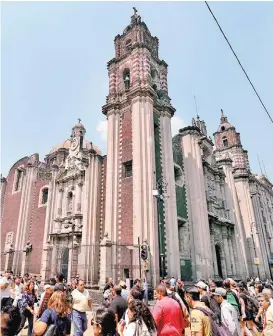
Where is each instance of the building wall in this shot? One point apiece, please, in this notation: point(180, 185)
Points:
point(11, 207)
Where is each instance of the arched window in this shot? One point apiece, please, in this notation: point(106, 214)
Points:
point(126, 79)
point(225, 142)
point(223, 128)
point(44, 196)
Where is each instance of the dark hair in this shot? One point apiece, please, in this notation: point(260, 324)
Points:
point(117, 289)
point(141, 311)
point(106, 319)
point(194, 293)
point(136, 281)
point(136, 294)
point(60, 277)
point(11, 320)
point(52, 282)
point(260, 287)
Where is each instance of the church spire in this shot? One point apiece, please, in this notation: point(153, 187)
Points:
point(223, 117)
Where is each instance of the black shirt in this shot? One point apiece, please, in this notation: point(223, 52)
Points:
point(119, 306)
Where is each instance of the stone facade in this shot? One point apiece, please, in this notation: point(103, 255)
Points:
point(200, 210)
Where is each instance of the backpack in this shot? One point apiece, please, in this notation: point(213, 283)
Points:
point(216, 329)
point(251, 303)
point(234, 301)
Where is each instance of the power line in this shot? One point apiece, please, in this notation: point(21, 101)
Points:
point(239, 62)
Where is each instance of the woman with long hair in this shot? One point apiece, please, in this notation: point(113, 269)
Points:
point(57, 314)
point(141, 321)
point(26, 306)
point(10, 321)
point(104, 323)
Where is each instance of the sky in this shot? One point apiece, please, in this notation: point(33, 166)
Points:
point(53, 70)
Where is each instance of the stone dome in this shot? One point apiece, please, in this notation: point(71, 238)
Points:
point(67, 143)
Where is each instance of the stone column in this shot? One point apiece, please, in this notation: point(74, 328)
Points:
point(226, 249)
point(231, 253)
point(215, 265)
point(60, 202)
point(105, 260)
point(79, 197)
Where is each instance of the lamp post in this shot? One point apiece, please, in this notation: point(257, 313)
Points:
point(159, 193)
point(253, 230)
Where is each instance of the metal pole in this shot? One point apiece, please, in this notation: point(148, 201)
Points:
point(139, 257)
point(160, 239)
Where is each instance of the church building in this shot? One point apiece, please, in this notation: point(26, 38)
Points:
point(197, 208)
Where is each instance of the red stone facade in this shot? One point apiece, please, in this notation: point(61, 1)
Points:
point(10, 207)
point(127, 182)
point(36, 228)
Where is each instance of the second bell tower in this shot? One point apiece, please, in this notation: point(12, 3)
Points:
point(139, 160)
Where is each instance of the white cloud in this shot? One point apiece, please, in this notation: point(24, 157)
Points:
point(102, 129)
point(176, 123)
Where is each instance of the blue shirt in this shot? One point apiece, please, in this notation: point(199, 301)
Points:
point(64, 323)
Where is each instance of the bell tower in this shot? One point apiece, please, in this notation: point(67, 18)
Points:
point(228, 145)
point(139, 155)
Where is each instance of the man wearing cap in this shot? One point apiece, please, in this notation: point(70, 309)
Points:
point(209, 301)
point(229, 316)
point(200, 323)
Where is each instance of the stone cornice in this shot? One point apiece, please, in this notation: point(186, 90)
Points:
point(268, 188)
point(225, 161)
point(229, 147)
point(192, 130)
point(146, 92)
point(232, 128)
point(137, 46)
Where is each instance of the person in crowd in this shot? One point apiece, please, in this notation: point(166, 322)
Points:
point(27, 307)
point(5, 286)
point(172, 294)
point(269, 293)
point(124, 290)
point(173, 281)
point(118, 304)
point(141, 321)
point(137, 285)
point(17, 291)
point(104, 323)
point(56, 314)
point(109, 284)
point(134, 294)
point(199, 321)
point(208, 298)
point(145, 291)
point(26, 279)
point(60, 280)
point(46, 295)
point(229, 316)
point(81, 302)
point(264, 302)
point(167, 314)
point(10, 321)
point(250, 308)
point(258, 289)
point(232, 297)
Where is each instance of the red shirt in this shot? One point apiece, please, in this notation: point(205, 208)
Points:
point(168, 317)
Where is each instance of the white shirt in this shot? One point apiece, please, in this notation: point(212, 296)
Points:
point(17, 291)
point(130, 330)
point(80, 300)
point(229, 318)
point(5, 293)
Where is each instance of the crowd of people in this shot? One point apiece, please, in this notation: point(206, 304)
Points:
point(223, 308)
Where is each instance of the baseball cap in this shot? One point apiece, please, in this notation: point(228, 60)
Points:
point(219, 291)
point(201, 285)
